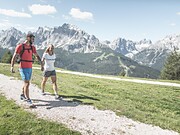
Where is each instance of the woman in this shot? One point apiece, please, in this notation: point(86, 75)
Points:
point(48, 60)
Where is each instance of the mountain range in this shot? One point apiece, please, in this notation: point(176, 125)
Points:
point(74, 41)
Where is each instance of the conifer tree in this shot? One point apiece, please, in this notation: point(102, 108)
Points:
point(6, 58)
point(171, 70)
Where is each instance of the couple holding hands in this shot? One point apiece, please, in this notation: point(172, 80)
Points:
point(25, 52)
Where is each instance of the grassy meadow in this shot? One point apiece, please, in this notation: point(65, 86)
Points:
point(151, 104)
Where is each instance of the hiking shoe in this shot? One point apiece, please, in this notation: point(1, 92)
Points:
point(29, 101)
point(30, 104)
point(22, 97)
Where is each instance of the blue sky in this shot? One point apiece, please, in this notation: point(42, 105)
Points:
point(106, 19)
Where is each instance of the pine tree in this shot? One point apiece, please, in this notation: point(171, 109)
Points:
point(122, 72)
point(171, 70)
point(6, 58)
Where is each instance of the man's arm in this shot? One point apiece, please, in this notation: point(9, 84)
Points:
point(12, 62)
point(37, 56)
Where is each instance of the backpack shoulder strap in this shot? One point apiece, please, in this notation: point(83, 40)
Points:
point(22, 51)
point(32, 49)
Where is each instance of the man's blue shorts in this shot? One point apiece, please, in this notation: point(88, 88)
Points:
point(25, 73)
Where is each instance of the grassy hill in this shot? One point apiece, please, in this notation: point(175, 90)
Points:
point(152, 104)
point(105, 62)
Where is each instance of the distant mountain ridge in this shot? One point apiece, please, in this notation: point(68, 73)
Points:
point(70, 38)
point(74, 40)
point(156, 54)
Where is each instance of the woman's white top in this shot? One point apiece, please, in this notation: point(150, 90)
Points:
point(49, 61)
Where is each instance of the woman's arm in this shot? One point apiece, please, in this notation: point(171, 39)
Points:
point(42, 64)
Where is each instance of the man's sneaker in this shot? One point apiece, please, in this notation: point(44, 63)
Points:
point(31, 105)
point(22, 97)
point(29, 101)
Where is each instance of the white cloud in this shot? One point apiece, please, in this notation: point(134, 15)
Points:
point(5, 20)
point(66, 17)
point(178, 13)
point(172, 24)
point(38, 9)
point(25, 28)
point(78, 14)
point(14, 13)
point(6, 24)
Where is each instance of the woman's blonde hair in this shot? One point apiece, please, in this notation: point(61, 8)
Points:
point(47, 49)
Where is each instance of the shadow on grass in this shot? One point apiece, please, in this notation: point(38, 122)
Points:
point(76, 97)
point(80, 97)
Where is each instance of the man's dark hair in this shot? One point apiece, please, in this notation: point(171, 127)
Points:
point(30, 35)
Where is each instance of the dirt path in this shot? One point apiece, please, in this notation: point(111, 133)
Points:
point(83, 118)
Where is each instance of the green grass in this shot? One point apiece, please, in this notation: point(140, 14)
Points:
point(152, 104)
point(15, 121)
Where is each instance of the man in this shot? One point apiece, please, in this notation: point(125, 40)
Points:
point(25, 52)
